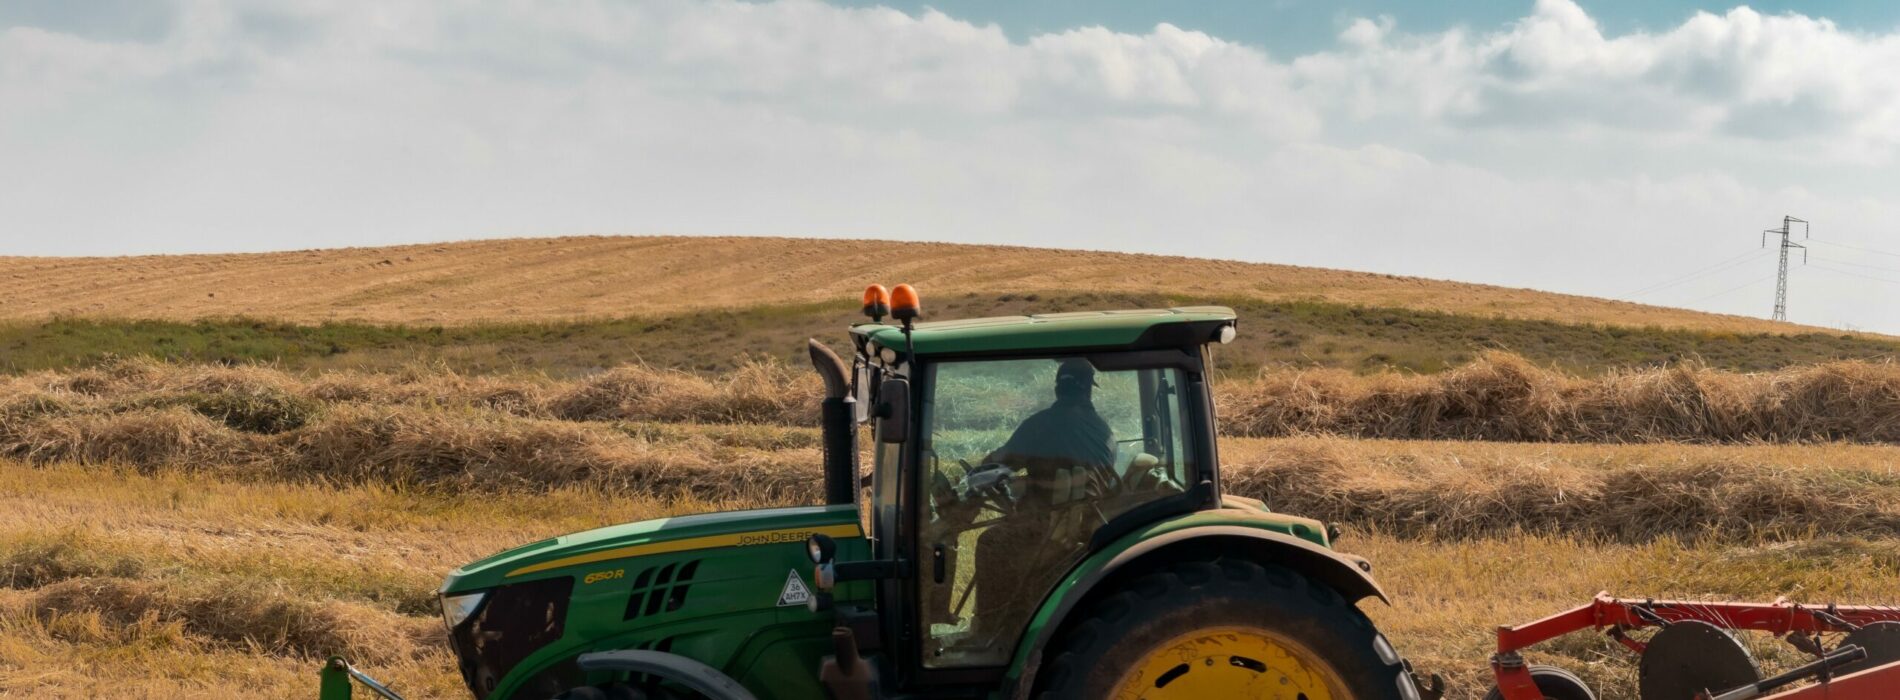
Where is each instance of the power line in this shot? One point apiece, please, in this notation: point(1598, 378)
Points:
point(1856, 274)
point(1725, 264)
point(1895, 270)
point(1732, 290)
point(1854, 247)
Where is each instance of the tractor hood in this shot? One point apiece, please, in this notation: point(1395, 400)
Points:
point(581, 550)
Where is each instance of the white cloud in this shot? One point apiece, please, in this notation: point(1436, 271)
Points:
point(1783, 78)
point(1542, 153)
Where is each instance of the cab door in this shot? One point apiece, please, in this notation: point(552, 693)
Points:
point(1017, 471)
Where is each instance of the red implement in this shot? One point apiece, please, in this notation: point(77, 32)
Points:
point(1617, 615)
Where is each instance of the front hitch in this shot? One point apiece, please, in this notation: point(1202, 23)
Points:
point(338, 680)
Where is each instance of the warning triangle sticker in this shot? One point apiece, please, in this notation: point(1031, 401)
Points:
point(795, 592)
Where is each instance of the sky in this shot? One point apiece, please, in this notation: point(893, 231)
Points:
point(1631, 150)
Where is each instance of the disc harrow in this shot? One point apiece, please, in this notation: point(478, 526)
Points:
point(1693, 654)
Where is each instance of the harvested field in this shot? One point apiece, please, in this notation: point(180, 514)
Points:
point(216, 470)
point(193, 584)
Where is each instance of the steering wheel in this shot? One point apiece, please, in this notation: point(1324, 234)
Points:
point(987, 482)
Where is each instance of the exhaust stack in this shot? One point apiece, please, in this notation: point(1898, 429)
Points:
point(837, 419)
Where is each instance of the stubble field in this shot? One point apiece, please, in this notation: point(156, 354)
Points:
point(199, 531)
point(217, 470)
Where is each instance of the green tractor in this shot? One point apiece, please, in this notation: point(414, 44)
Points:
point(1044, 519)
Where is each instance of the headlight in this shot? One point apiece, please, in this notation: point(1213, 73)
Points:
point(456, 608)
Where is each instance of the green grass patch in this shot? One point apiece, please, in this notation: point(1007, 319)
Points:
point(1297, 333)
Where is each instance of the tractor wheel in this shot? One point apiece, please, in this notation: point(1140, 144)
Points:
point(586, 692)
point(1555, 683)
point(1226, 629)
point(619, 691)
point(615, 691)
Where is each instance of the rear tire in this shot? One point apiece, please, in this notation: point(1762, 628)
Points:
point(586, 692)
point(1555, 683)
point(622, 691)
point(1231, 628)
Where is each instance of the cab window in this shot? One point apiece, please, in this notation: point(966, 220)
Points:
point(1022, 460)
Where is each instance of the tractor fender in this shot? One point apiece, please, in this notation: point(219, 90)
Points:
point(695, 676)
point(1349, 575)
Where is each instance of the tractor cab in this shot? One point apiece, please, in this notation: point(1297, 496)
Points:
point(1028, 439)
point(1007, 453)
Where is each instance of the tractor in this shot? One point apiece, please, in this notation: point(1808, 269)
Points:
point(1043, 517)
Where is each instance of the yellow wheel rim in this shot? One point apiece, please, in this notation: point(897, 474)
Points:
point(1230, 662)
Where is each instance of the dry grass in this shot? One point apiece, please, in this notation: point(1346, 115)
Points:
point(177, 584)
point(592, 277)
point(637, 430)
point(173, 584)
point(237, 615)
point(77, 414)
point(432, 428)
point(201, 531)
point(1444, 491)
point(1438, 490)
point(1504, 397)
point(758, 392)
point(433, 448)
point(261, 399)
point(437, 448)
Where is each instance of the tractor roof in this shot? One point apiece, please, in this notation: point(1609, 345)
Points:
point(1087, 329)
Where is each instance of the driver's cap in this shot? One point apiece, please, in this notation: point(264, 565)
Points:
point(1076, 370)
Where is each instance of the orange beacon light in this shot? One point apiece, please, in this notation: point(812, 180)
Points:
point(877, 303)
point(904, 304)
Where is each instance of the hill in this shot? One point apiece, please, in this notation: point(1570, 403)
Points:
point(575, 306)
point(595, 277)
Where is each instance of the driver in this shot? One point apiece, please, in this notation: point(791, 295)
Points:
point(1012, 555)
point(1069, 434)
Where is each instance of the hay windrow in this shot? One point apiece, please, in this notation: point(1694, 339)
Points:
point(142, 437)
point(245, 617)
point(1499, 397)
point(758, 392)
point(1504, 397)
point(467, 450)
point(1411, 492)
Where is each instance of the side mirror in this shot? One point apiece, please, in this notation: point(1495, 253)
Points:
point(893, 411)
point(824, 575)
point(821, 548)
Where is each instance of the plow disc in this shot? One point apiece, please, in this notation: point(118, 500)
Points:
point(1882, 642)
point(1692, 656)
point(1555, 684)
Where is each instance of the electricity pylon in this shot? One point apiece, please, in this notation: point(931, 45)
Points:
point(1781, 280)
